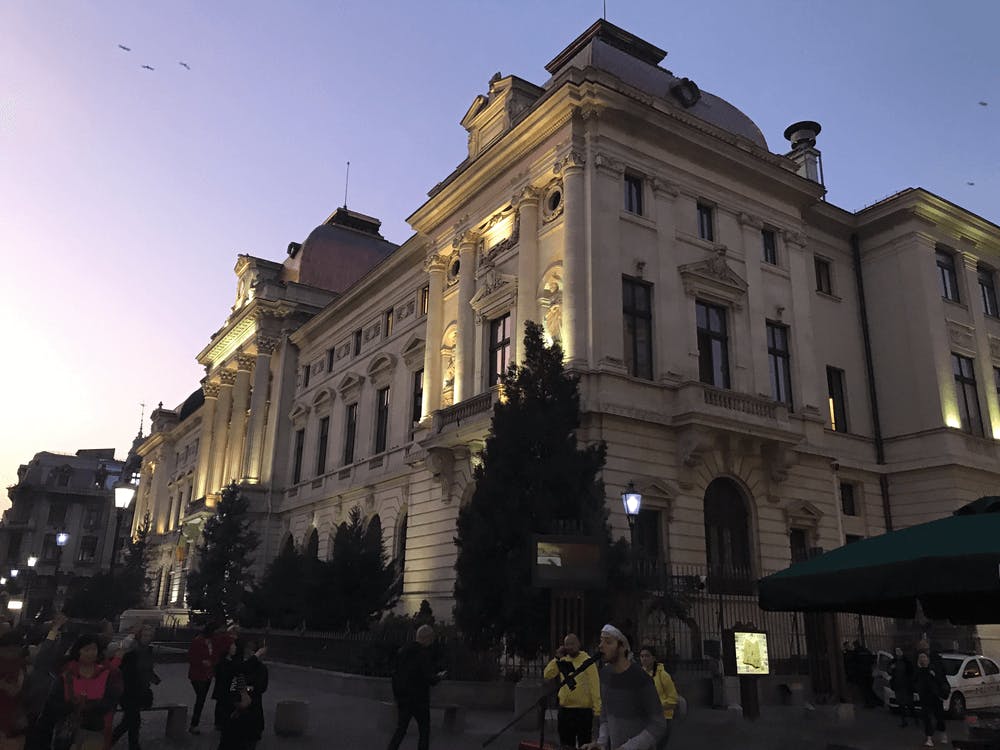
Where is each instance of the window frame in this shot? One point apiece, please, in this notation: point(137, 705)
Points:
point(963, 382)
point(499, 347)
point(388, 322)
point(823, 271)
point(331, 354)
point(948, 274)
point(425, 298)
point(356, 342)
point(298, 447)
point(726, 574)
point(988, 291)
point(350, 432)
point(322, 445)
point(305, 375)
point(848, 500)
point(706, 334)
point(90, 540)
point(417, 396)
point(842, 425)
point(640, 319)
point(769, 255)
point(779, 361)
point(382, 396)
point(633, 199)
point(706, 221)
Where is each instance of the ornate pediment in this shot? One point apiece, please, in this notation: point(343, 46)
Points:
point(349, 386)
point(381, 368)
point(801, 514)
point(496, 290)
point(323, 396)
point(413, 352)
point(714, 279)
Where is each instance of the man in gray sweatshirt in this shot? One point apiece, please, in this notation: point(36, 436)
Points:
point(631, 714)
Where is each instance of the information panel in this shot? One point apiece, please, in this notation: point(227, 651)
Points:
point(751, 653)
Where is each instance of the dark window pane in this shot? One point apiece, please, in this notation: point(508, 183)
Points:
point(706, 229)
point(499, 348)
point(418, 396)
point(633, 194)
point(948, 275)
point(824, 276)
point(382, 419)
point(847, 503)
point(324, 439)
point(837, 400)
point(300, 439)
point(713, 345)
point(779, 363)
point(967, 394)
point(770, 246)
point(637, 325)
point(351, 427)
point(727, 538)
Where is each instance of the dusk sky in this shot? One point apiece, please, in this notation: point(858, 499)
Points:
point(126, 193)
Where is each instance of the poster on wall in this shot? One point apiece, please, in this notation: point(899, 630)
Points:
point(751, 653)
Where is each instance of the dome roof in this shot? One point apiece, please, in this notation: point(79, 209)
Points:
point(340, 251)
point(636, 62)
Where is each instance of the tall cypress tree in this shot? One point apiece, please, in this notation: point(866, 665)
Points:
point(533, 479)
point(216, 588)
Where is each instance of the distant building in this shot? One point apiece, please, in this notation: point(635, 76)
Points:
point(60, 494)
point(773, 373)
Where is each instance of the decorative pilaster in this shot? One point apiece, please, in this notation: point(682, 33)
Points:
point(810, 393)
point(574, 316)
point(238, 422)
point(220, 431)
point(435, 266)
point(465, 344)
point(753, 245)
point(983, 360)
point(527, 266)
point(211, 391)
point(259, 399)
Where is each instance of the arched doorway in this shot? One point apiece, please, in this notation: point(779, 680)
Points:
point(727, 538)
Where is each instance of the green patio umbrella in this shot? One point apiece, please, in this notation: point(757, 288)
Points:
point(951, 566)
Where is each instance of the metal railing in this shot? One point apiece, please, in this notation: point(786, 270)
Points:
point(741, 402)
point(466, 409)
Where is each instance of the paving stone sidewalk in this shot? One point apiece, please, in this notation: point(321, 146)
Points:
point(339, 721)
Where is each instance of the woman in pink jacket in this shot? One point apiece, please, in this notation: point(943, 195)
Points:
point(91, 688)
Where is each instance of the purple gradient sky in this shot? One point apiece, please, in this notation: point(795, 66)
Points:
point(125, 194)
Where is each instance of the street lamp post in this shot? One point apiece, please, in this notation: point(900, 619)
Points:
point(32, 562)
point(632, 501)
point(124, 492)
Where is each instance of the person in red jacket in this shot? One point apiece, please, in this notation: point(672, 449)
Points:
point(202, 658)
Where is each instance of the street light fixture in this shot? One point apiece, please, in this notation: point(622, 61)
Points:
point(632, 500)
point(14, 572)
point(124, 494)
point(14, 605)
point(61, 539)
point(32, 561)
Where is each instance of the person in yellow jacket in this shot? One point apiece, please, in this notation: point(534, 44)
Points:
point(665, 688)
point(577, 705)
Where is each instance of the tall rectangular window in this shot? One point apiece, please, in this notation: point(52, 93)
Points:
point(824, 275)
point(300, 442)
point(418, 396)
point(425, 299)
point(633, 194)
point(350, 431)
point(14, 546)
point(988, 290)
point(321, 448)
point(50, 550)
point(92, 518)
point(948, 275)
point(499, 347)
point(57, 514)
point(305, 376)
point(357, 342)
point(329, 359)
point(88, 549)
point(637, 318)
point(798, 541)
point(387, 323)
point(713, 345)
point(706, 225)
point(779, 363)
point(837, 399)
point(968, 396)
point(769, 242)
point(381, 419)
point(847, 501)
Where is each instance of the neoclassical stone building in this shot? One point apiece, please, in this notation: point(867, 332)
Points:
point(772, 372)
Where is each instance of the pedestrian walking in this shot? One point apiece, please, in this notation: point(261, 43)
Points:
point(901, 683)
point(225, 672)
point(411, 686)
point(201, 669)
point(138, 677)
point(665, 688)
point(40, 684)
point(631, 712)
point(933, 688)
point(579, 697)
point(13, 671)
point(244, 726)
point(85, 699)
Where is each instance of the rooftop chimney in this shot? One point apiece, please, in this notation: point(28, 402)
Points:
point(804, 153)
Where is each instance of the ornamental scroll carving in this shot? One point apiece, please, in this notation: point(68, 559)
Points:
point(373, 332)
point(962, 335)
point(403, 311)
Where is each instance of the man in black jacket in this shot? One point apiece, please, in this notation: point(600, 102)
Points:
point(137, 676)
point(411, 686)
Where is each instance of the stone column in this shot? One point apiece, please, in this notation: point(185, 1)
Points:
point(809, 391)
point(211, 391)
point(575, 281)
point(258, 407)
point(237, 425)
point(527, 267)
point(756, 314)
point(435, 266)
point(608, 262)
point(465, 344)
point(669, 303)
point(985, 383)
point(220, 431)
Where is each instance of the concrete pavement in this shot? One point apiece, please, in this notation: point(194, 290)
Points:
point(339, 721)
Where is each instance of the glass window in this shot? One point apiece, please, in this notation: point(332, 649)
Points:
point(425, 297)
point(988, 290)
point(92, 518)
point(647, 534)
point(350, 432)
point(14, 546)
point(727, 538)
point(637, 317)
point(824, 275)
point(381, 419)
point(57, 514)
point(706, 225)
point(329, 359)
point(852, 538)
point(321, 448)
point(418, 396)
point(779, 363)
point(847, 504)
point(837, 399)
point(357, 342)
point(300, 441)
point(305, 376)
point(798, 541)
point(50, 550)
point(387, 323)
point(713, 345)
point(499, 348)
point(633, 194)
point(967, 394)
point(989, 667)
point(770, 246)
point(971, 670)
point(948, 275)
point(951, 665)
point(88, 549)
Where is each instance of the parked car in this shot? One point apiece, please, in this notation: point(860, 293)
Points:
point(974, 681)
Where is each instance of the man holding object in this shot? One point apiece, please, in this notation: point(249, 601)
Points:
point(579, 697)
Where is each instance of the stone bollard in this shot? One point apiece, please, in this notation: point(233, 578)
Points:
point(291, 718)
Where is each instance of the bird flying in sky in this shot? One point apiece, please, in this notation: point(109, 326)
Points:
point(149, 67)
point(122, 46)
point(970, 183)
point(184, 65)
point(984, 104)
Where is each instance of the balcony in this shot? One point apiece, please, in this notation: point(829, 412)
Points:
point(471, 409)
point(699, 404)
point(744, 403)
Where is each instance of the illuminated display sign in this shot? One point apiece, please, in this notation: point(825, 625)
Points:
point(567, 562)
point(751, 653)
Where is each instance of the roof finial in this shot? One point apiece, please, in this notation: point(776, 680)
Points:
point(142, 416)
point(347, 181)
point(605, 10)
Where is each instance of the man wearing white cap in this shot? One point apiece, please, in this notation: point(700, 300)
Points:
point(631, 715)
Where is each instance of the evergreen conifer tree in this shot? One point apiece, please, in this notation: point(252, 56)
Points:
point(533, 479)
point(217, 586)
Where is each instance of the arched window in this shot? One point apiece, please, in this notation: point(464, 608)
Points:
point(727, 538)
point(312, 544)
